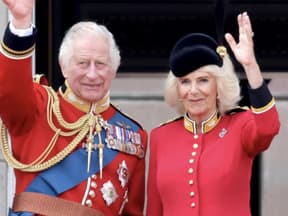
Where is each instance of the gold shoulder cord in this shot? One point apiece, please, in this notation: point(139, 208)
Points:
point(80, 127)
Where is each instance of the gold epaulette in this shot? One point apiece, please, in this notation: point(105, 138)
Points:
point(170, 120)
point(125, 114)
point(237, 109)
point(40, 79)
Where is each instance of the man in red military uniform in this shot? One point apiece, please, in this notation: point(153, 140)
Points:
point(73, 152)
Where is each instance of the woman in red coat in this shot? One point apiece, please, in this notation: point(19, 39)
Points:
point(200, 163)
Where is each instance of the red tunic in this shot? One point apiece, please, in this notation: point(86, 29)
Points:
point(207, 173)
point(23, 109)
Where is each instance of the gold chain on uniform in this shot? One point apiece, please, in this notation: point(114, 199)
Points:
point(80, 127)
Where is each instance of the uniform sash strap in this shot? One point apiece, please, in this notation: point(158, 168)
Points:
point(54, 181)
point(50, 206)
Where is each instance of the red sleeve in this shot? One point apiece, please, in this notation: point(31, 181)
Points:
point(262, 121)
point(18, 103)
point(154, 205)
point(260, 130)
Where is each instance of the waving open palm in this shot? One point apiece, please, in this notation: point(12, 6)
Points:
point(21, 10)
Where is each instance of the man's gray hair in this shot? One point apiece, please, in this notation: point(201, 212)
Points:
point(83, 27)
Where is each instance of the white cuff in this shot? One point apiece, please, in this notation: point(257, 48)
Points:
point(21, 32)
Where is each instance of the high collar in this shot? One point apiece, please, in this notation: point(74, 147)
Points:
point(206, 125)
point(85, 106)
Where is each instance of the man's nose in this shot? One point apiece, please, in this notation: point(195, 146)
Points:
point(92, 72)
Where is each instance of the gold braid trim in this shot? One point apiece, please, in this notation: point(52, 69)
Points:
point(16, 53)
point(80, 127)
point(264, 108)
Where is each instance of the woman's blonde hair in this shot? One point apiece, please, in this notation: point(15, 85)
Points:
point(228, 88)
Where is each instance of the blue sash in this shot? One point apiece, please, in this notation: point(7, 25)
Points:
point(11, 213)
point(69, 173)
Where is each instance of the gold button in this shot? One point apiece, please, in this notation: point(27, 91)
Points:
point(191, 182)
point(194, 153)
point(195, 146)
point(191, 161)
point(193, 205)
point(192, 193)
point(196, 136)
point(93, 184)
point(89, 203)
point(191, 170)
point(92, 193)
point(94, 176)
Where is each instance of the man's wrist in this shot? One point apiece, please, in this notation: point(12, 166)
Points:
point(21, 32)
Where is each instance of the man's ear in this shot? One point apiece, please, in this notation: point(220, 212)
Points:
point(64, 73)
point(62, 67)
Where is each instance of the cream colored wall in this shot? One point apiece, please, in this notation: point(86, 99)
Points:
point(141, 96)
point(275, 161)
point(274, 164)
point(3, 18)
point(3, 186)
point(275, 170)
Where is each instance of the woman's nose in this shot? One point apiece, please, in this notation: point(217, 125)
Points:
point(193, 88)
